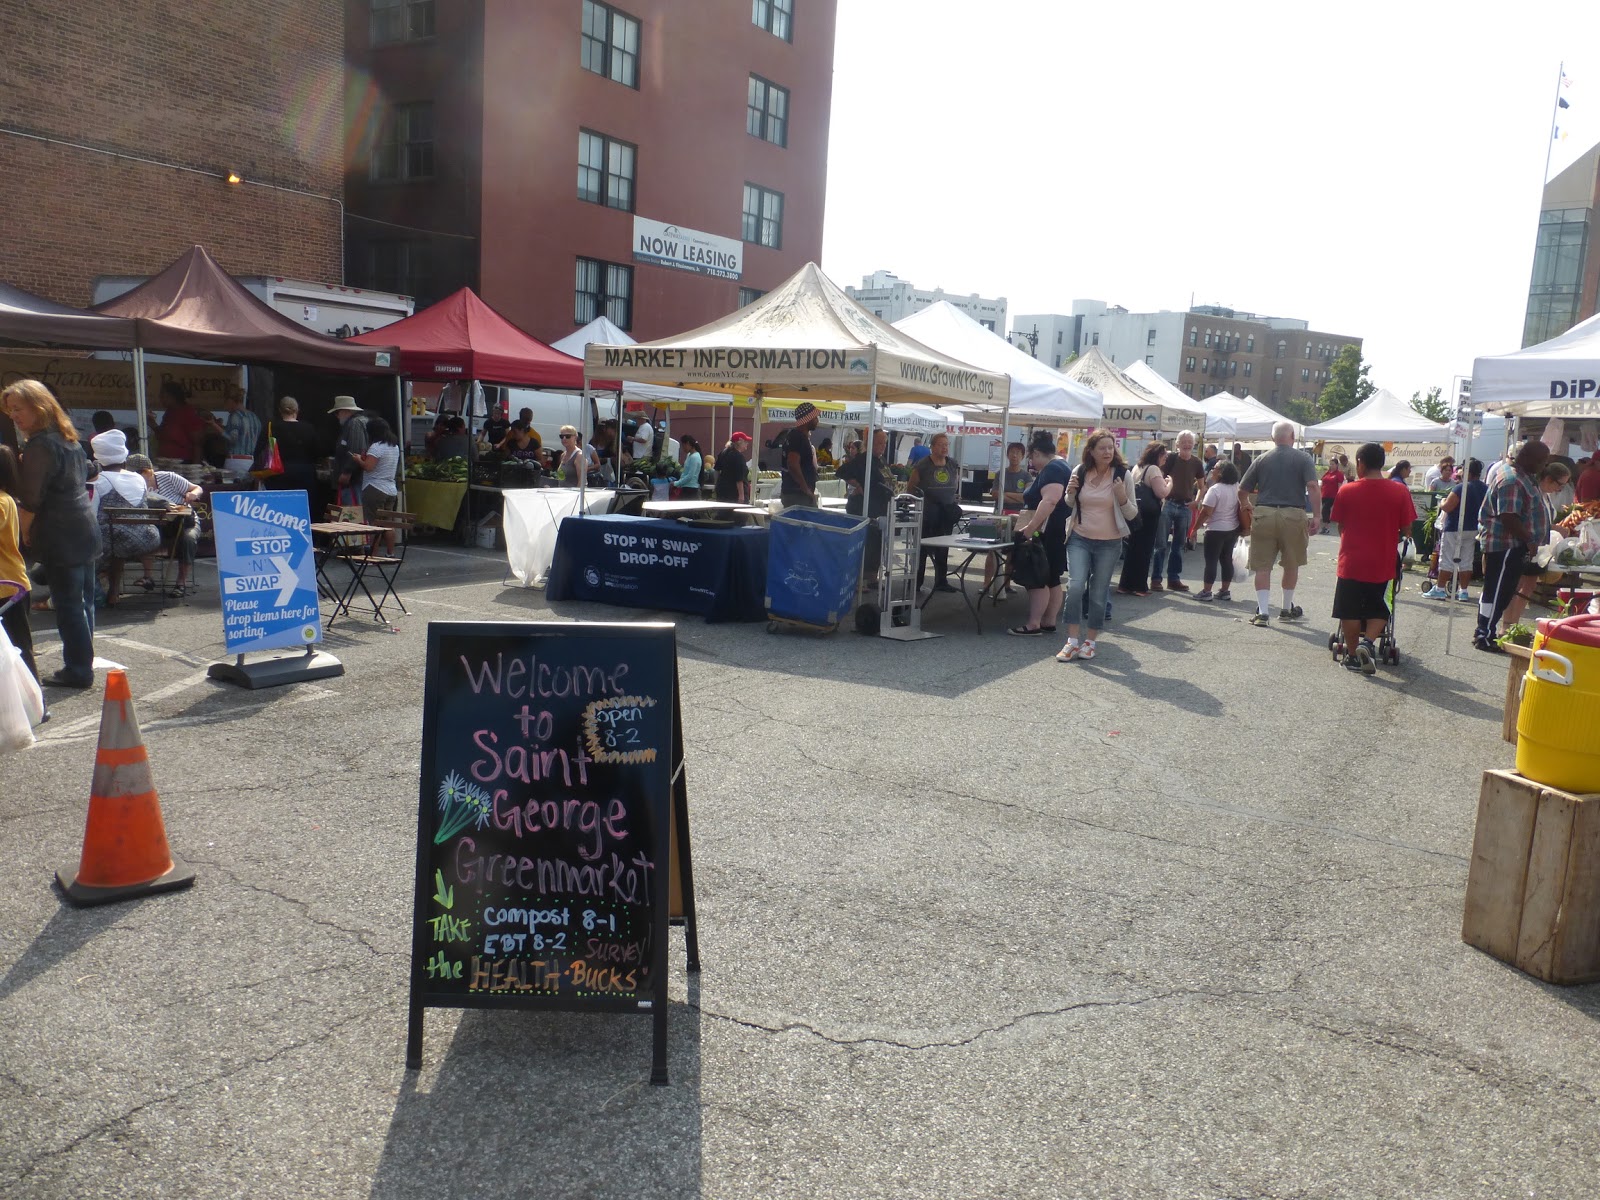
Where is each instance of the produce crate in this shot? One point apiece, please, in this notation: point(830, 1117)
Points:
point(1533, 886)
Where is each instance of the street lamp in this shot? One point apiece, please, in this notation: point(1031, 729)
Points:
point(1032, 338)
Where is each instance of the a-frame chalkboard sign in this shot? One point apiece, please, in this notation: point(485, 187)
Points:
point(552, 828)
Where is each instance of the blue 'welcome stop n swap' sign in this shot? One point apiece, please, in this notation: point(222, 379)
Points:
point(268, 572)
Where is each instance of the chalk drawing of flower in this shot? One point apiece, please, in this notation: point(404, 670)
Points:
point(478, 802)
point(451, 791)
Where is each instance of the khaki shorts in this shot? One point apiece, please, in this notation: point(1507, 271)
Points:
point(1278, 534)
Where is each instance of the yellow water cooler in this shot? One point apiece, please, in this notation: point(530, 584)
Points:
point(1558, 729)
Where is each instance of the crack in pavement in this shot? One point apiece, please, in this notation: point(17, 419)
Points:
point(360, 935)
point(121, 1118)
point(988, 1030)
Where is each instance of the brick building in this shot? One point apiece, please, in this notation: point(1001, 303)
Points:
point(121, 122)
point(525, 149)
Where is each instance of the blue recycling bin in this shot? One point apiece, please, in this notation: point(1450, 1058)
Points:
point(813, 564)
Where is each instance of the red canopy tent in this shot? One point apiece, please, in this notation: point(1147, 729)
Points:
point(462, 338)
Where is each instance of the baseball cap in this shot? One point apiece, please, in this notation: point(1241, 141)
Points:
point(742, 437)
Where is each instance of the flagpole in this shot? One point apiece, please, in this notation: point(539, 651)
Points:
point(1555, 112)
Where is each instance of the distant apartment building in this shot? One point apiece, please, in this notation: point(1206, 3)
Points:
point(1203, 351)
point(1565, 287)
point(652, 161)
point(889, 297)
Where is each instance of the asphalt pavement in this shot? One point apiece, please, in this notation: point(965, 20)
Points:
point(1183, 921)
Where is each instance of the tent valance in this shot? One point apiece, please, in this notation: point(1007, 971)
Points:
point(461, 337)
point(808, 340)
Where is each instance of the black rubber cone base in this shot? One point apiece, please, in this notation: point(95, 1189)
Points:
point(85, 895)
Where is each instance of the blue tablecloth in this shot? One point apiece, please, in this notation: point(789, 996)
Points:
point(645, 562)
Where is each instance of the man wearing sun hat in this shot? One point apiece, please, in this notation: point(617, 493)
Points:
point(352, 441)
point(733, 472)
point(799, 486)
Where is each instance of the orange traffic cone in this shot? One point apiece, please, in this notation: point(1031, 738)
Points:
point(125, 851)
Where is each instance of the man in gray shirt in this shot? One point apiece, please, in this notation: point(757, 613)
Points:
point(1284, 483)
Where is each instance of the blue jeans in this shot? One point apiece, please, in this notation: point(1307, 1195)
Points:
point(1090, 562)
point(1172, 531)
point(72, 598)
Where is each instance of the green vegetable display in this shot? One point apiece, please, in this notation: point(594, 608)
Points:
point(451, 470)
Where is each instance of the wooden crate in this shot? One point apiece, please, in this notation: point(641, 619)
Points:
point(1533, 887)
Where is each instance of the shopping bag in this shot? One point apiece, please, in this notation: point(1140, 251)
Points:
point(21, 701)
point(271, 461)
point(1030, 564)
point(1241, 557)
point(349, 507)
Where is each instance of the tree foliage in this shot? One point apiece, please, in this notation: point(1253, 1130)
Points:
point(1431, 405)
point(1347, 384)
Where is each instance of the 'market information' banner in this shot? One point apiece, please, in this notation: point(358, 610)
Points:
point(687, 249)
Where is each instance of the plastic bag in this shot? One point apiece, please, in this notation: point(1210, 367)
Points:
point(1241, 557)
point(21, 701)
point(1588, 542)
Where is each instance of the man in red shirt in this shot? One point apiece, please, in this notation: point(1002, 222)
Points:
point(1588, 484)
point(1371, 512)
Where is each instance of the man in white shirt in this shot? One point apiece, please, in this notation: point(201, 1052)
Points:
point(641, 441)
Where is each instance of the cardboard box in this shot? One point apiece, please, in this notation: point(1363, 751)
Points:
point(1533, 886)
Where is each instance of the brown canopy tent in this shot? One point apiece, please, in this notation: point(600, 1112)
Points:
point(195, 308)
point(29, 320)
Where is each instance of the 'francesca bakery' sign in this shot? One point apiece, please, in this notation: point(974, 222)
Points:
point(687, 249)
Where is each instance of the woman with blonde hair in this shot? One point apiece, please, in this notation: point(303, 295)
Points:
point(573, 465)
point(57, 521)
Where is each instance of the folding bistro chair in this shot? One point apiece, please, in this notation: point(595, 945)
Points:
point(388, 564)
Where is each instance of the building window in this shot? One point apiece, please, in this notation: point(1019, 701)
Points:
point(610, 43)
point(1150, 337)
point(1233, 367)
point(1250, 344)
point(1205, 364)
point(1555, 296)
point(1058, 360)
point(1150, 360)
point(605, 171)
point(767, 111)
point(603, 289)
point(1193, 334)
point(1277, 374)
point(1208, 339)
point(763, 216)
point(1096, 337)
point(1058, 337)
point(749, 296)
point(1188, 363)
point(1305, 374)
point(1282, 346)
point(400, 266)
point(1249, 369)
point(878, 312)
point(1188, 389)
point(401, 21)
point(989, 325)
point(1308, 349)
point(775, 16)
point(405, 145)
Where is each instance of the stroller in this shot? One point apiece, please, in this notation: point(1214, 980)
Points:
point(1387, 650)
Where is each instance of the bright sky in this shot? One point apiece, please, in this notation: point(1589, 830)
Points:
point(1372, 168)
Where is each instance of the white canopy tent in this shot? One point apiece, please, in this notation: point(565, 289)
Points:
point(1557, 378)
point(1252, 420)
point(1039, 395)
point(808, 340)
point(1215, 424)
point(1129, 405)
point(1381, 417)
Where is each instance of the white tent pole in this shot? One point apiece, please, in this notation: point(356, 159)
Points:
point(583, 441)
point(868, 477)
point(402, 430)
point(1461, 525)
point(1000, 492)
point(141, 403)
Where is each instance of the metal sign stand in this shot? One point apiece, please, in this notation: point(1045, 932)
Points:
point(899, 613)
